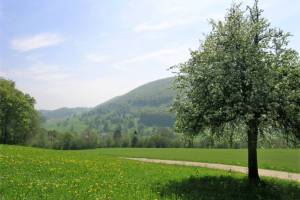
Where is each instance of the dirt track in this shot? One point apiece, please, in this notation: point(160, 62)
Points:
point(262, 172)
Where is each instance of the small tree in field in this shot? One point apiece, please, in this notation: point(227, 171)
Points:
point(243, 73)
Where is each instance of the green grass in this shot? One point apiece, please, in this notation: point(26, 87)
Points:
point(276, 159)
point(31, 173)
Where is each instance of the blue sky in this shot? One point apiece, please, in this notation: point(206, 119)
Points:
point(84, 52)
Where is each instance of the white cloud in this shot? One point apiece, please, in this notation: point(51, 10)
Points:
point(96, 58)
point(144, 27)
point(37, 41)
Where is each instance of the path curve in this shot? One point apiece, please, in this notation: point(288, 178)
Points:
point(262, 172)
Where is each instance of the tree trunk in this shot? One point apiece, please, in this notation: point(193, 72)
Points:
point(191, 142)
point(231, 139)
point(4, 131)
point(4, 134)
point(252, 153)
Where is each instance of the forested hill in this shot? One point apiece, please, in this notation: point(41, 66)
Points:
point(141, 109)
point(62, 113)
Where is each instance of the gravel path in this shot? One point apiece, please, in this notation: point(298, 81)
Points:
point(262, 172)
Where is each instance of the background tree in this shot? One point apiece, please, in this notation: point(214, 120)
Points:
point(134, 139)
point(243, 73)
point(19, 121)
point(117, 136)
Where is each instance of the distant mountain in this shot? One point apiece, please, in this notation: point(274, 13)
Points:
point(141, 109)
point(62, 113)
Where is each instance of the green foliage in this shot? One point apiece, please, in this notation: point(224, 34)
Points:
point(18, 119)
point(243, 70)
point(160, 119)
point(65, 140)
point(243, 74)
point(30, 173)
point(117, 136)
point(134, 139)
point(160, 137)
point(62, 113)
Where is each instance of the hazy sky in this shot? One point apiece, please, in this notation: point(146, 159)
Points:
point(83, 52)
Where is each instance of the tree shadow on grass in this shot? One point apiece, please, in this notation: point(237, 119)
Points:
point(225, 187)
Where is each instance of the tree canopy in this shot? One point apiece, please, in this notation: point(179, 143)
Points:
point(18, 119)
point(243, 73)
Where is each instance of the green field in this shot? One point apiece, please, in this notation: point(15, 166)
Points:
point(276, 159)
point(31, 173)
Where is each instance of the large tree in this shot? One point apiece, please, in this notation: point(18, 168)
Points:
point(243, 73)
point(18, 119)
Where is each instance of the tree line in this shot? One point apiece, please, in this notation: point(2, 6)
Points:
point(160, 137)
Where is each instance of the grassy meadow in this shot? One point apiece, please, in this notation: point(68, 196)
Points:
point(32, 173)
point(275, 159)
